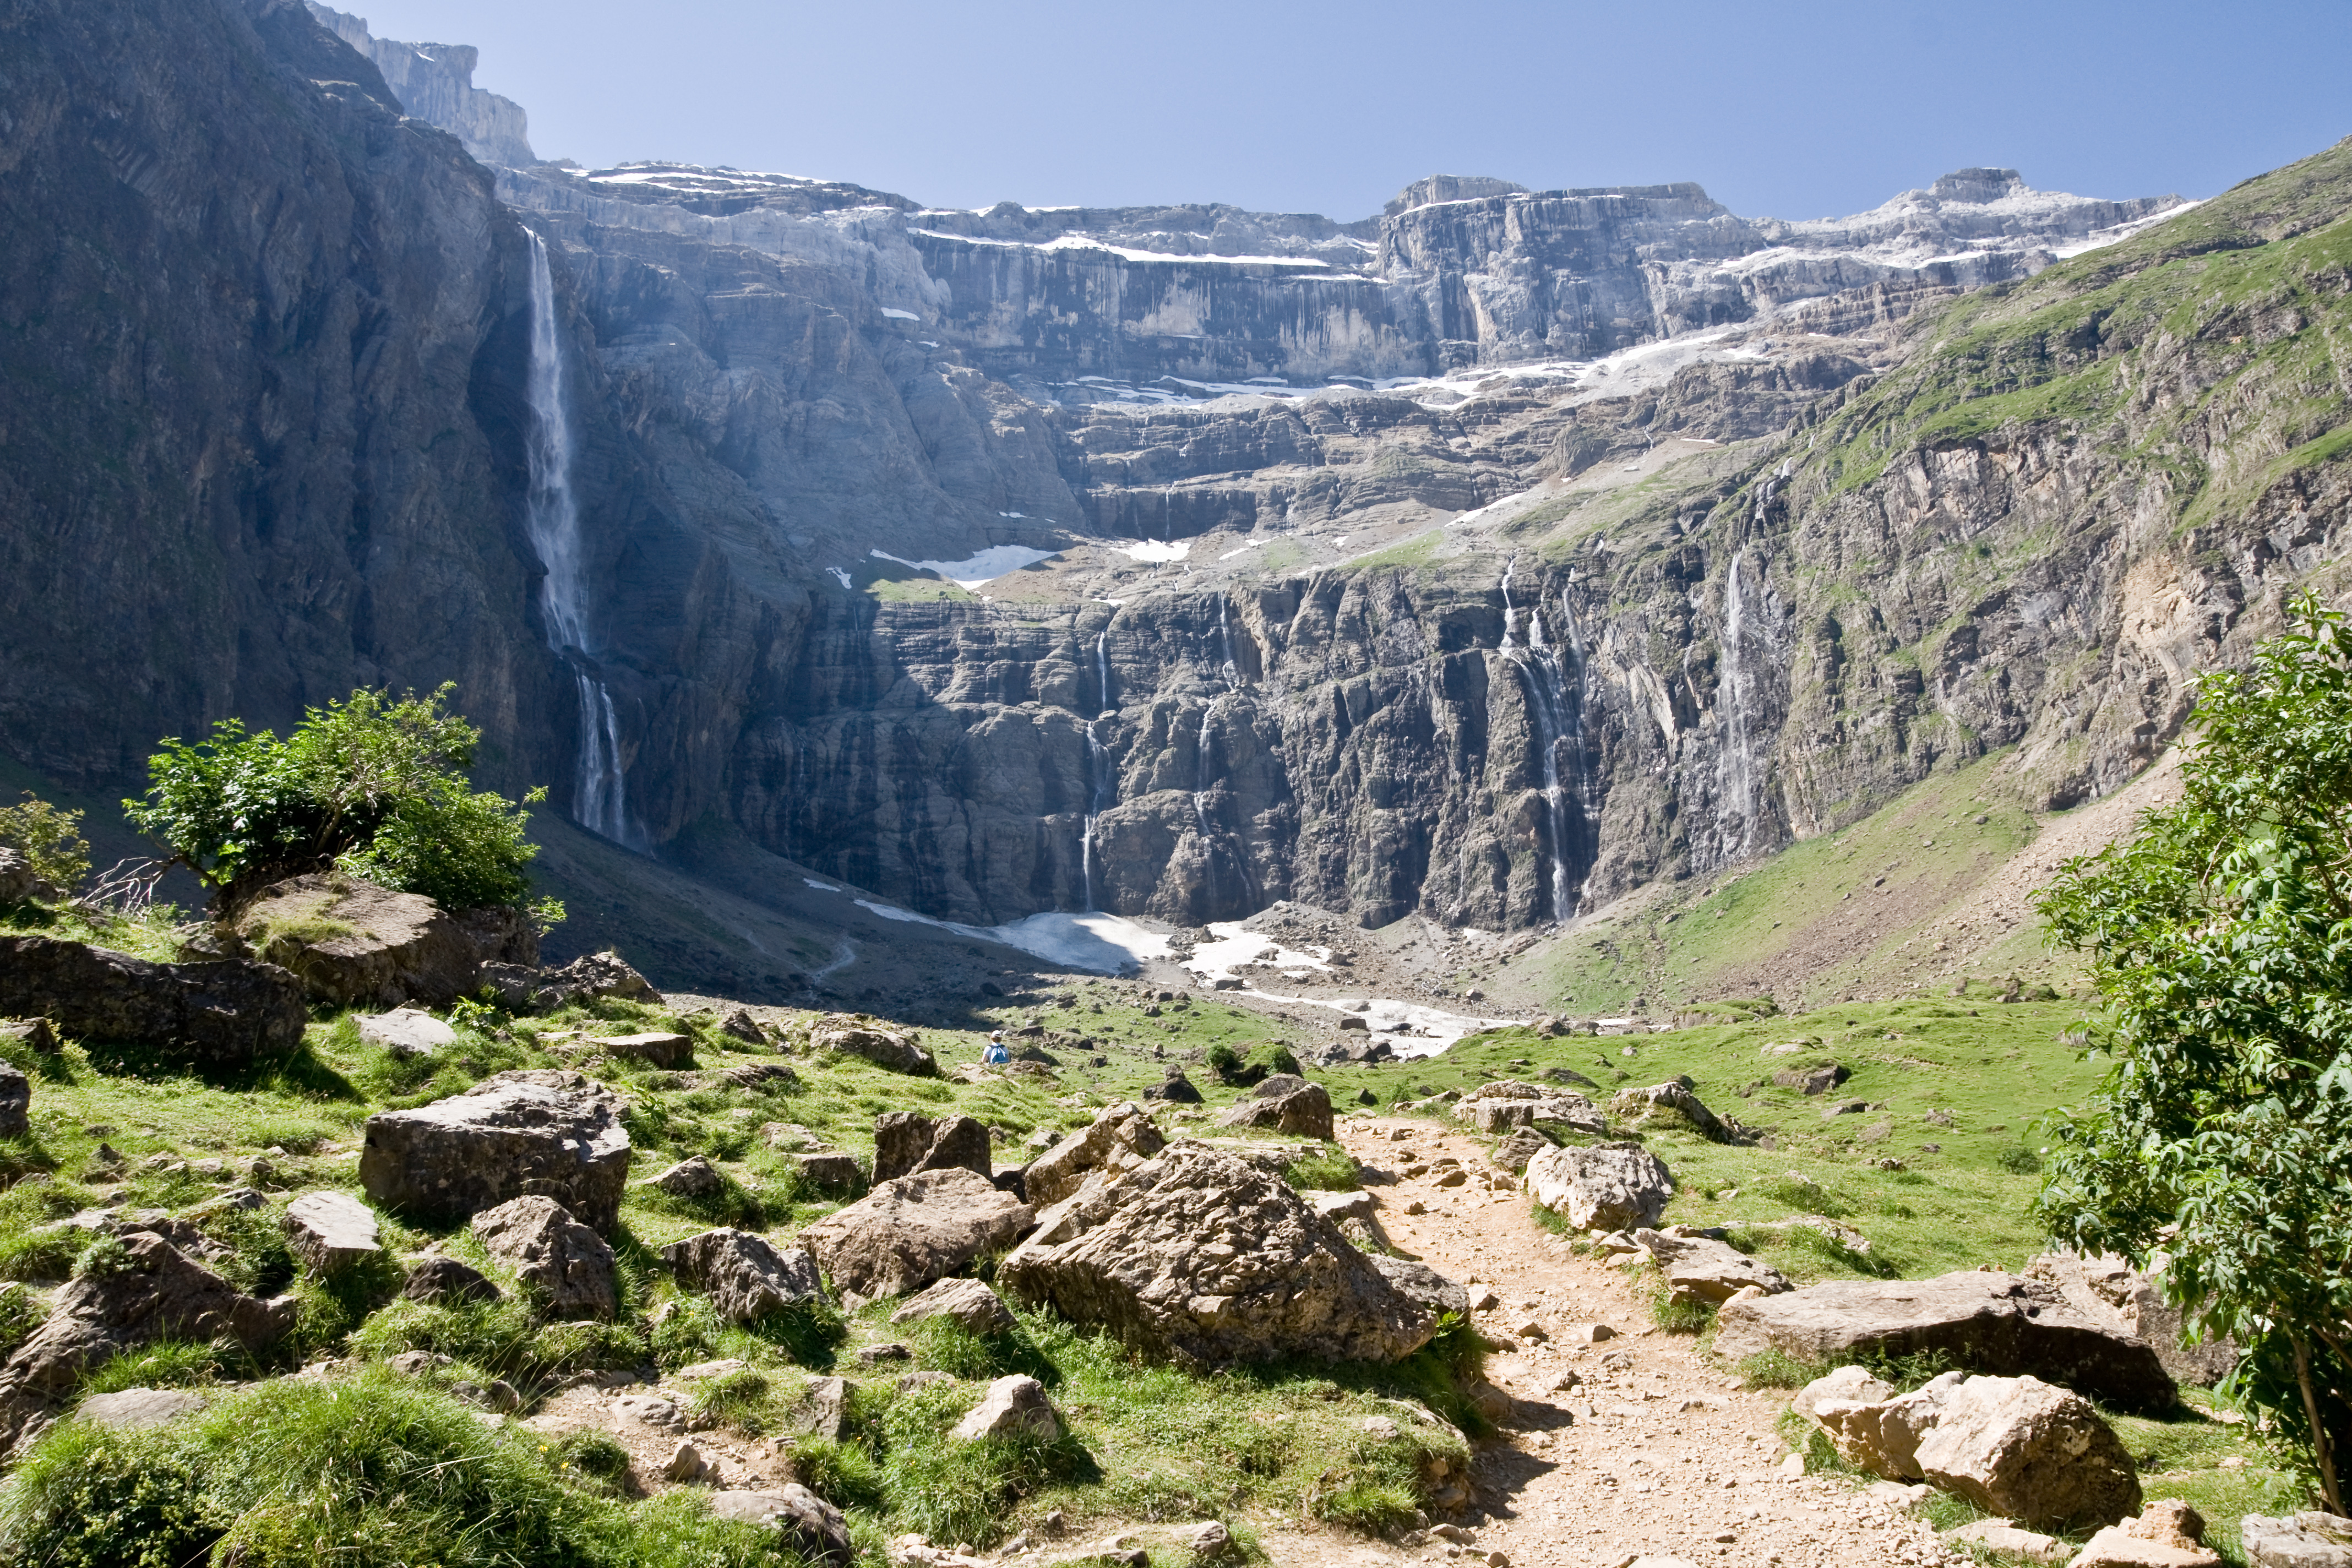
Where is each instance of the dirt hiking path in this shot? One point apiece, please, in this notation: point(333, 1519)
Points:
point(1650, 1453)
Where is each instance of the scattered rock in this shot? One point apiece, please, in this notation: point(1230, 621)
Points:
point(967, 1302)
point(1810, 1080)
point(685, 1463)
point(1176, 1089)
point(566, 1266)
point(1120, 1137)
point(1208, 1543)
point(1014, 1406)
point(1986, 1321)
point(1523, 1145)
point(906, 1141)
point(2167, 1534)
point(907, 1233)
point(1675, 1095)
point(1880, 1437)
point(1698, 1267)
point(135, 1409)
point(1200, 1256)
point(2106, 1288)
point(694, 1178)
point(1507, 1104)
point(740, 1025)
point(811, 1527)
point(448, 1279)
point(1286, 1103)
point(1605, 1186)
point(823, 1409)
point(328, 1232)
point(657, 1048)
point(16, 1103)
point(155, 1293)
point(885, 1048)
point(405, 1032)
point(353, 943)
point(2306, 1539)
point(2000, 1535)
point(226, 1011)
point(745, 1276)
point(593, 977)
point(552, 1133)
point(830, 1172)
point(1846, 1385)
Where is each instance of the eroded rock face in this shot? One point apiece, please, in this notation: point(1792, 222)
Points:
point(566, 1267)
point(1196, 1256)
point(156, 1293)
point(1285, 1103)
point(1605, 1186)
point(390, 948)
point(906, 1141)
point(224, 1011)
point(549, 1133)
point(906, 1233)
point(746, 1277)
point(1989, 1322)
point(1120, 1137)
point(2109, 1289)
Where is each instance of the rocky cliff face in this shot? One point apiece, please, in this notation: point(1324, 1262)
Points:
point(435, 82)
point(1661, 538)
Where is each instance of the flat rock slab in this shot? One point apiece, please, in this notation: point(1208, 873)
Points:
point(2306, 1539)
point(1702, 1268)
point(906, 1233)
point(134, 1409)
point(331, 1231)
point(658, 1047)
point(406, 1032)
point(1986, 1321)
point(2000, 1535)
point(551, 1133)
point(226, 1012)
point(1204, 1258)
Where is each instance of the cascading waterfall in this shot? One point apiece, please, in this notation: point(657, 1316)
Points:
point(551, 518)
point(1736, 818)
point(1098, 761)
point(1102, 669)
point(1231, 671)
point(1538, 666)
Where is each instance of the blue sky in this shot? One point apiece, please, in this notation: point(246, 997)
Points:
point(1792, 110)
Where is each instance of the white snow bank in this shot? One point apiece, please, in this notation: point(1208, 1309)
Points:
point(900, 315)
point(1106, 944)
point(1155, 550)
point(1410, 1028)
point(838, 572)
point(820, 886)
point(973, 569)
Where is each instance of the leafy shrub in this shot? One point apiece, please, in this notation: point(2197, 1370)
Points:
point(844, 1474)
point(89, 1498)
point(372, 784)
point(2019, 1161)
point(51, 839)
point(1332, 1170)
point(1274, 1060)
point(1777, 1369)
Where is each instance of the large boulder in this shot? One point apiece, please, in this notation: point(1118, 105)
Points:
point(968, 1304)
point(329, 1232)
point(810, 1527)
point(1873, 1428)
point(885, 1048)
point(150, 1292)
point(1985, 1322)
point(1700, 1268)
point(593, 977)
point(1606, 1186)
point(548, 1133)
point(1202, 1257)
point(746, 1277)
point(1507, 1103)
point(2029, 1451)
point(906, 1141)
point(225, 1011)
point(2108, 1290)
point(355, 944)
point(906, 1233)
point(1014, 1407)
point(1638, 1105)
point(1121, 1137)
point(566, 1266)
point(1285, 1103)
point(2306, 1539)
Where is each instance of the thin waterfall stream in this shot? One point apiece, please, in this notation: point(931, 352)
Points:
point(551, 519)
point(1736, 817)
point(1538, 664)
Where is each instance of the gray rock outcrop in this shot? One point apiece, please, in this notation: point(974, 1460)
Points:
point(1987, 1322)
point(811, 1527)
point(1121, 1137)
point(885, 1048)
point(353, 943)
point(225, 1011)
point(968, 1304)
point(136, 1409)
point(906, 1233)
point(2311, 1538)
point(566, 1267)
point(152, 1293)
point(329, 1232)
point(692, 1177)
point(746, 1277)
point(16, 1103)
point(448, 1279)
point(1607, 1186)
point(906, 1141)
point(1014, 1407)
point(1199, 1256)
point(1284, 1104)
point(549, 1133)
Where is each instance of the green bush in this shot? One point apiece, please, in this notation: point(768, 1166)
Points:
point(1274, 1060)
point(51, 839)
point(372, 784)
point(89, 1498)
point(844, 1474)
point(1332, 1170)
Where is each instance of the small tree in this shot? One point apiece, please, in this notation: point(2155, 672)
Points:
point(49, 838)
point(2221, 940)
point(372, 784)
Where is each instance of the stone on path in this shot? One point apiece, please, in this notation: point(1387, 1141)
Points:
point(1604, 1187)
point(2000, 1535)
point(1507, 1103)
point(328, 1232)
point(537, 1131)
point(567, 1268)
point(1698, 1267)
point(907, 1233)
point(2024, 1449)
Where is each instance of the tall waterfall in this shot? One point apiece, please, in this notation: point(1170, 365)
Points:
point(1098, 762)
point(551, 518)
point(1544, 682)
point(1102, 669)
point(1231, 671)
point(1735, 699)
